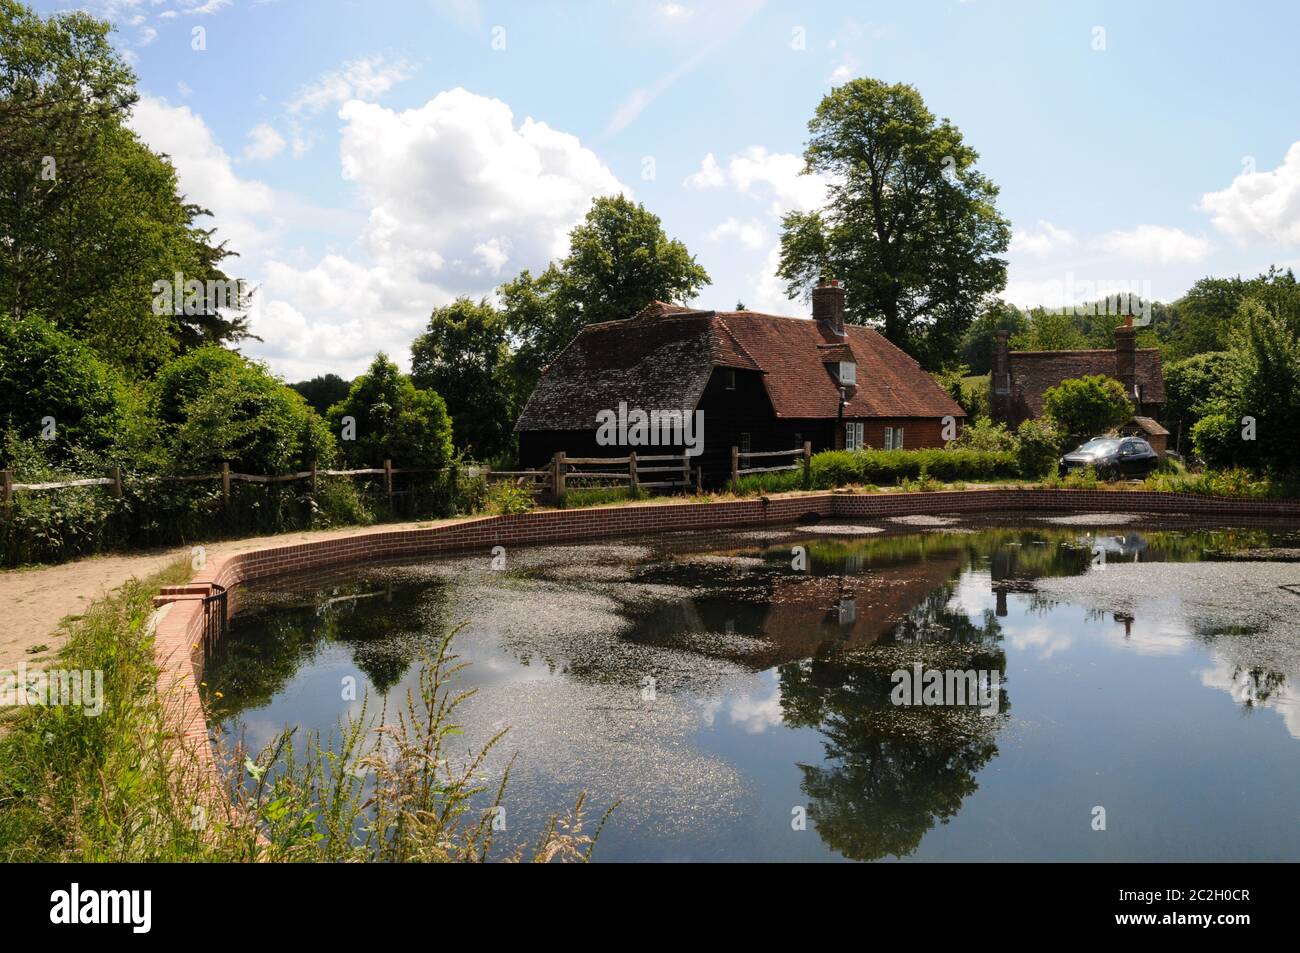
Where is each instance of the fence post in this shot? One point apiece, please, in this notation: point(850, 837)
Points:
point(388, 480)
point(807, 461)
point(557, 477)
point(115, 474)
point(735, 468)
point(225, 484)
point(699, 479)
point(631, 473)
point(8, 490)
point(313, 476)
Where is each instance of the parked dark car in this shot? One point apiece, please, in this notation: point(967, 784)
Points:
point(1113, 457)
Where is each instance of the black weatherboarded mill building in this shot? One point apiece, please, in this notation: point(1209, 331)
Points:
point(760, 382)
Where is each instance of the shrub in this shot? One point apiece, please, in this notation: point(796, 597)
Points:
point(985, 435)
point(890, 467)
point(508, 499)
point(394, 420)
point(1039, 448)
point(1087, 407)
point(1216, 440)
point(1234, 482)
point(755, 484)
point(45, 373)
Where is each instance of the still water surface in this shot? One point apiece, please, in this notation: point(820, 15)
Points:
point(722, 686)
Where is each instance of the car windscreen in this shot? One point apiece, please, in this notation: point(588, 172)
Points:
point(1098, 446)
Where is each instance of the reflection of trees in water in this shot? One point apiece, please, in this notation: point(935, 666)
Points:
point(384, 629)
point(890, 772)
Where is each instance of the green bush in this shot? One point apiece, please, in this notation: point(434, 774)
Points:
point(1216, 440)
point(891, 467)
point(756, 484)
point(45, 373)
point(508, 499)
point(1088, 407)
point(394, 421)
point(1039, 451)
point(984, 434)
point(1234, 482)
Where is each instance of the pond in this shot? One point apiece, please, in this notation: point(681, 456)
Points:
point(1134, 685)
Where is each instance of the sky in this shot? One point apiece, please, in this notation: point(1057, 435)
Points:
point(373, 160)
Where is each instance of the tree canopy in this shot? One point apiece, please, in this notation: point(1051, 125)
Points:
point(910, 224)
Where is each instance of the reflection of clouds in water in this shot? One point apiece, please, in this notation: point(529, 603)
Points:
point(752, 711)
point(1160, 629)
point(1041, 639)
point(973, 595)
point(1244, 687)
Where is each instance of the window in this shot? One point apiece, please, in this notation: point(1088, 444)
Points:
point(893, 438)
point(848, 372)
point(798, 441)
point(729, 378)
point(1001, 383)
point(853, 437)
point(744, 443)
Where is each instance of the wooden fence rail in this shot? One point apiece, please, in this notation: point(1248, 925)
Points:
point(737, 471)
point(550, 480)
point(563, 469)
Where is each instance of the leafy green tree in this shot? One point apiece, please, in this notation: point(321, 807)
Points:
point(394, 420)
point(619, 261)
point(463, 357)
point(1205, 319)
point(1269, 385)
point(44, 373)
point(90, 217)
point(976, 349)
point(1086, 407)
point(323, 392)
point(215, 406)
point(910, 225)
point(1049, 330)
point(1197, 387)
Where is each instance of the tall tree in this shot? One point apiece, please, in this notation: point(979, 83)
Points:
point(619, 261)
point(90, 217)
point(463, 357)
point(910, 224)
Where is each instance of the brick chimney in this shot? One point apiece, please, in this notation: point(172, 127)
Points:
point(1000, 379)
point(828, 304)
point(1126, 359)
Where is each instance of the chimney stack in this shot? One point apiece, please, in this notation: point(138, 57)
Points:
point(1126, 359)
point(828, 304)
point(1000, 379)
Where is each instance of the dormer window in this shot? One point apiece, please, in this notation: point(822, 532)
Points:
point(848, 372)
point(729, 378)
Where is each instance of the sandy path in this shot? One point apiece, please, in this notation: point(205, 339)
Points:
point(34, 601)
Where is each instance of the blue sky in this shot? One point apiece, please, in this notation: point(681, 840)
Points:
point(371, 160)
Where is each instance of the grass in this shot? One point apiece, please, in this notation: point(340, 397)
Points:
point(120, 788)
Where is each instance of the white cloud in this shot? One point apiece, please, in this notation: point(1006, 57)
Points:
point(1045, 241)
point(1156, 244)
point(263, 142)
point(779, 175)
point(367, 77)
point(676, 11)
point(751, 234)
point(207, 175)
point(709, 177)
point(1260, 204)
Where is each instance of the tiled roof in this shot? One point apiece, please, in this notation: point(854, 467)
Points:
point(1035, 372)
point(662, 359)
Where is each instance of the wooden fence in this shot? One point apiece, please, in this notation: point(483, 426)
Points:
point(798, 457)
point(548, 483)
point(225, 475)
point(666, 471)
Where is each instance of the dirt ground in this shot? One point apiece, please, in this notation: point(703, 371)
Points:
point(34, 601)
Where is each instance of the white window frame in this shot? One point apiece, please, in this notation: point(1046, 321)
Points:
point(848, 372)
point(893, 438)
point(854, 438)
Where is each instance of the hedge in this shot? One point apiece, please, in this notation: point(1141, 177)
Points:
point(833, 468)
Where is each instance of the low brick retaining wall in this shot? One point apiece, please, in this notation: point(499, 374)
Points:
point(179, 626)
